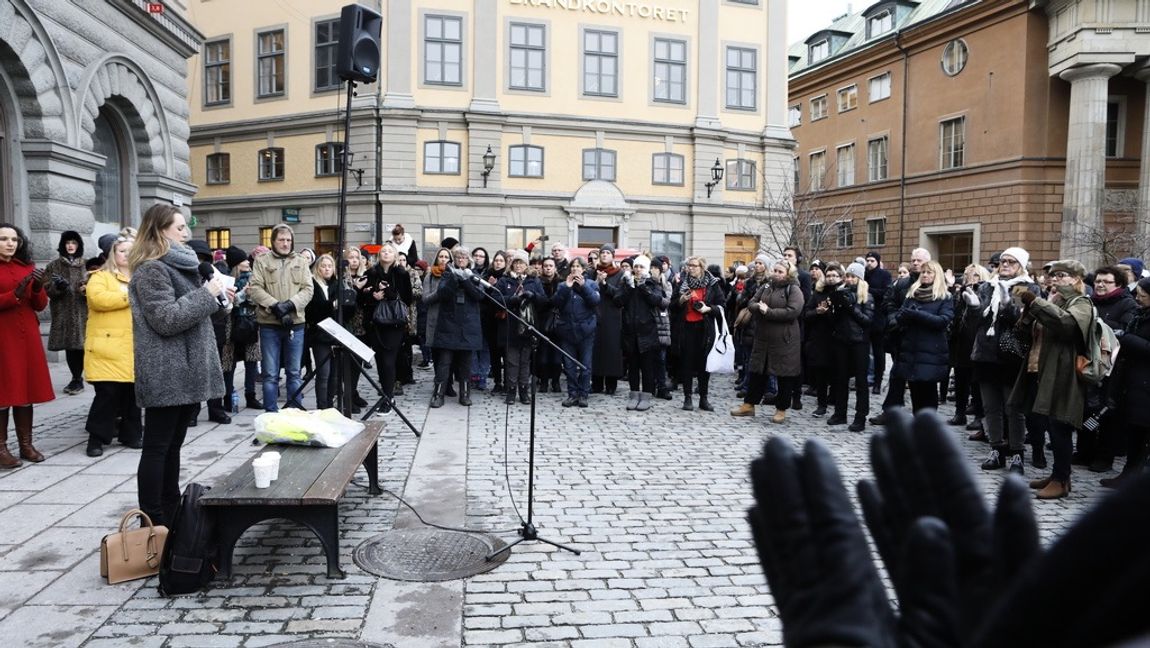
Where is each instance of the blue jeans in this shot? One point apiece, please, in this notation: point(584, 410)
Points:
point(275, 340)
point(578, 380)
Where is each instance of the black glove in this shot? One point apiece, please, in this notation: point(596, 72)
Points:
point(818, 563)
point(283, 312)
point(59, 283)
point(920, 472)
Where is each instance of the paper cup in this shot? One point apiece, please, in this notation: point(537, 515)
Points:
point(273, 458)
point(263, 473)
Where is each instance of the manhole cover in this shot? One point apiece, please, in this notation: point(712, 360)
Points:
point(428, 555)
point(330, 643)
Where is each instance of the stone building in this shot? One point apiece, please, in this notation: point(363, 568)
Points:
point(603, 118)
point(965, 126)
point(93, 114)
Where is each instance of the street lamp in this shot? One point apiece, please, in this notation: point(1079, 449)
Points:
point(716, 176)
point(488, 164)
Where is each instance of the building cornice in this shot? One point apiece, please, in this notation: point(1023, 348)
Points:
point(169, 27)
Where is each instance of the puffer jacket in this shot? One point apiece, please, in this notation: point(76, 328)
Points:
point(458, 327)
point(853, 321)
point(641, 301)
point(276, 279)
point(577, 307)
point(819, 330)
point(923, 354)
point(175, 348)
point(108, 339)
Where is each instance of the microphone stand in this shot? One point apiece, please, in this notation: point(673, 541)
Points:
point(527, 530)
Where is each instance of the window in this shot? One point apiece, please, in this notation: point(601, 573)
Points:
point(954, 57)
point(441, 158)
point(819, 108)
point(741, 78)
point(876, 159)
point(271, 161)
point(816, 235)
point(819, 51)
point(667, 169)
point(217, 72)
point(818, 170)
point(796, 164)
point(848, 98)
point(528, 56)
point(795, 115)
point(270, 63)
point(329, 159)
point(519, 237)
point(219, 169)
point(669, 244)
point(112, 182)
point(875, 232)
point(1115, 127)
point(670, 70)
point(600, 63)
point(266, 237)
point(845, 164)
point(599, 164)
point(327, 240)
point(433, 236)
point(219, 238)
point(596, 237)
point(952, 143)
point(443, 50)
point(880, 87)
point(740, 175)
point(525, 161)
point(326, 52)
point(879, 23)
point(845, 235)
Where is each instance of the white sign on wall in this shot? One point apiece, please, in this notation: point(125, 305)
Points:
point(625, 8)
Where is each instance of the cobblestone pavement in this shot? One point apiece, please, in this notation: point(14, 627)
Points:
point(655, 501)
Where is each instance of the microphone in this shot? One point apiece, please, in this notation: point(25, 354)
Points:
point(207, 273)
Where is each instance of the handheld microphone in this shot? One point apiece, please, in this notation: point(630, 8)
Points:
point(207, 273)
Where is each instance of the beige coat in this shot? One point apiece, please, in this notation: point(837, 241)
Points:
point(276, 279)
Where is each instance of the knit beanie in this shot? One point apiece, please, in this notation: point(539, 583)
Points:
point(234, 256)
point(106, 241)
point(857, 269)
point(1135, 264)
point(1019, 254)
point(874, 255)
point(642, 262)
point(1144, 284)
point(766, 260)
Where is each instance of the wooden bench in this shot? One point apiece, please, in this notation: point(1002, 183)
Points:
point(310, 484)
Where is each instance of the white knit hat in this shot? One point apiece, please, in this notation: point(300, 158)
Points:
point(857, 269)
point(518, 255)
point(1019, 254)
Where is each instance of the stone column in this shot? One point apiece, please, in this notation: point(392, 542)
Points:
point(397, 54)
point(486, 57)
point(708, 74)
point(1142, 216)
point(1082, 225)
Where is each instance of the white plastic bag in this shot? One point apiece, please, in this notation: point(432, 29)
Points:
point(721, 358)
point(321, 428)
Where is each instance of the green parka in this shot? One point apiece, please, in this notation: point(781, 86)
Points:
point(1059, 329)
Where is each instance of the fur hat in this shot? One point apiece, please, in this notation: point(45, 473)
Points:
point(234, 256)
point(857, 269)
point(1020, 255)
point(741, 270)
point(1069, 266)
point(517, 255)
point(73, 236)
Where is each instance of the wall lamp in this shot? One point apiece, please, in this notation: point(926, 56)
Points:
point(488, 164)
point(716, 177)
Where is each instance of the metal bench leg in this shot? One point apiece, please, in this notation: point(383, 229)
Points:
point(232, 521)
point(371, 465)
point(324, 522)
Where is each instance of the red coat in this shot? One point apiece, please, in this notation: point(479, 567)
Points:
point(24, 377)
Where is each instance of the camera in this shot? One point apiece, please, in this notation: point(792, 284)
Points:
point(698, 305)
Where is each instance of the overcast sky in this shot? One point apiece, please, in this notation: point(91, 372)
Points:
point(805, 17)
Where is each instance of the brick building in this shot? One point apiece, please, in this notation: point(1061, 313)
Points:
point(968, 126)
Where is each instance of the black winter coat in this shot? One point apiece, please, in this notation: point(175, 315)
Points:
point(607, 357)
point(923, 355)
point(1117, 310)
point(398, 286)
point(888, 310)
point(985, 348)
point(640, 303)
point(458, 327)
point(852, 320)
point(1130, 382)
point(317, 310)
point(515, 291)
point(818, 333)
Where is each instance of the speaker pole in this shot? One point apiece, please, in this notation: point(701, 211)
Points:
point(343, 367)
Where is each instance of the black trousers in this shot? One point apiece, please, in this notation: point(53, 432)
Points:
point(966, 390)
point(158, 476)
point(878, 352)
point(114, 400)
point(75, 360)
point(641, 366)
point(1062, 447)
point(757, 388)
point(386, 343)
point(850, 360)
point(449, 362)
point(923, 395)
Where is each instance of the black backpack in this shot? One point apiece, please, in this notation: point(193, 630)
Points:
point(190, 556)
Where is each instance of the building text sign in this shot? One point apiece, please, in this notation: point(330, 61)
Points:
point(629, 8)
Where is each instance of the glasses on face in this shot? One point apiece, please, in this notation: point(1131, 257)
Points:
point(1103, 282)
point(1060, 275)
point(1007, 262)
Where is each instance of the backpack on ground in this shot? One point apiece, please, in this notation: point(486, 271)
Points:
point(1101, 351)
point(190, 556)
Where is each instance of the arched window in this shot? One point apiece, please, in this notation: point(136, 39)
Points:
point(111, 205)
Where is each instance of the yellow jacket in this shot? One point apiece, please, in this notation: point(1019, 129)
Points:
point(108, 342)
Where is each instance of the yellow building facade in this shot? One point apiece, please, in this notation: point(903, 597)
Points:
point(605, 119)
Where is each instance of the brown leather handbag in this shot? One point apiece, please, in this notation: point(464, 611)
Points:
point(129, 554)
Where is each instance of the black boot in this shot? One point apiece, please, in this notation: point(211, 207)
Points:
point(357, 400)
point(498, 388)
point(464, 393)
point(525, 394)
point(555, 384)
point(251, 402)
point(688, 403)
point(449, 389)
point(437, 391)
point(509, 396)
point(704, 388)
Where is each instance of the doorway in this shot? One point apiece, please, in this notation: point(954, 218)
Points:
point(954, 251)
point(740, 248)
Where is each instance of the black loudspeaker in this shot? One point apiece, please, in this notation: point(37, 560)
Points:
point(359, 53)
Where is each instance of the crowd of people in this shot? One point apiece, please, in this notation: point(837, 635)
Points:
point(1002, 341)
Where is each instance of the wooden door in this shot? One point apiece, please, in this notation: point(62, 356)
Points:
point(739, 247)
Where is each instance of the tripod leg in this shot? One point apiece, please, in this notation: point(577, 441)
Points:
point(556, 544)
point(495, 553)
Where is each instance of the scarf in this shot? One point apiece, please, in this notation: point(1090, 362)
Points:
point(924, 294)
point(181, 257)
point(1000, 291)
point(703, 281)
point(1113, 293)
point(610, 268)
point(436, 271)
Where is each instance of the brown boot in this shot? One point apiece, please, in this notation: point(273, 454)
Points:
point(7, 461)
point(23, 418)
point(1038, 484)
point(744, 409)
point(779, 417)
point(1054, 489)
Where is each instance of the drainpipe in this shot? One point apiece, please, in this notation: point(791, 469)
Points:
point(902, 164)
point(378, 172)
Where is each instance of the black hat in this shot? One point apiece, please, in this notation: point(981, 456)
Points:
point(995, 259)
point(1144, 284)
point(449, 242)
point(106, 242)
point(874, 255)
point(234, 256)
point(607, 247)
point(201, 248)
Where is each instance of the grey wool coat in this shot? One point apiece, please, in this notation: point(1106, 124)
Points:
point(68, 303)
point(175, 345)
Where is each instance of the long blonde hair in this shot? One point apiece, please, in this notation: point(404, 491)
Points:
point(151, 242)
point(326, 256)
point(938, 289)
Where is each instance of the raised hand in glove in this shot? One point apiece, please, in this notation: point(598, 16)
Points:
point(819, 566)
point(283, 312)
point(919, 473)
point(37, 277)
point(1027, 297)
